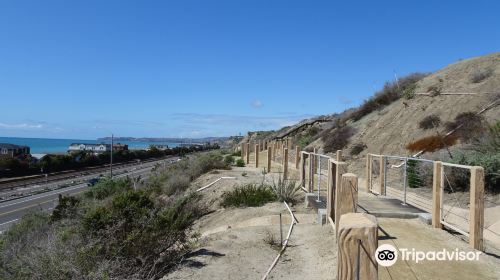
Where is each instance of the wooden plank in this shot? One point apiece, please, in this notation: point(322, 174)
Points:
point(358, 234)
point(476, 208)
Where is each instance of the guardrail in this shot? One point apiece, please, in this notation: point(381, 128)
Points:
point(311, 177)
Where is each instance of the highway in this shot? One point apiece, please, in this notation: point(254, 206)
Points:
point(11, 211)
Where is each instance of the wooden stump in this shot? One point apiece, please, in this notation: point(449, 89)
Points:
point(357, 236)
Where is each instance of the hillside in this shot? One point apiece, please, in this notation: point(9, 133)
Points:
point(466, 86)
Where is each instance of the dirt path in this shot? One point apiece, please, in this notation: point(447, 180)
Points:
point(311, 254)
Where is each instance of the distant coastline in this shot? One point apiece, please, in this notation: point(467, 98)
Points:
point(164, 140)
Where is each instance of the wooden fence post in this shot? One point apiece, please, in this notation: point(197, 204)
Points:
point(346, 197)
point(330, 190)
point(285, 163)
point(269, 154)
point(368, 172)
point(311, 173)
point(257, 151)
point(297, 157)
point(476, 221)
point(335, 178)
point(247, 150)
point(437, 178)
point(275, 146)
point(242, 149)
point(303, 169)
point(358, 233)
point(383, 161)
point(339, 155)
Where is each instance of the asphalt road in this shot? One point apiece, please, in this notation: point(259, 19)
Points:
point(11, 211)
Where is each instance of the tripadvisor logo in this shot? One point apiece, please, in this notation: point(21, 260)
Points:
point(387, 255)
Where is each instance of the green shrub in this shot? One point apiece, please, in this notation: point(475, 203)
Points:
point(485, 152)
point(430, 121)
point(304, 140)
point(240, 163)
point(229, 160)
point(107, 187)
point(141, 237)
point(236, 154)
point(248, 195)
point(412, 174)
point(286, 190)
point(409, 91)
point(66, 208)
point(113, 232)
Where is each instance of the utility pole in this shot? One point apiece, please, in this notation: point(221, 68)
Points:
point(111, 159)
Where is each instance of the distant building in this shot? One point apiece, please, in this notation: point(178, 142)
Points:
point(120, 147)
point(85, 147)
point(38, 157)
point(12, 151)
point(158, 147)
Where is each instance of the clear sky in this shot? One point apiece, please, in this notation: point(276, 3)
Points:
point(185, 68)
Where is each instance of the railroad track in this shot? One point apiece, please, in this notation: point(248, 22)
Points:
point(72, 174)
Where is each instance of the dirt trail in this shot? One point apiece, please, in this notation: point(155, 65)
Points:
point(232, 242)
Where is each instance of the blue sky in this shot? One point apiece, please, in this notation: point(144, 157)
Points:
point(83, 69)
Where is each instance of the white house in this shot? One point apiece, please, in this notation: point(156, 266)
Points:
point(96, 148)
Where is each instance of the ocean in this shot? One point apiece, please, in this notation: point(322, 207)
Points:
point(60, 146)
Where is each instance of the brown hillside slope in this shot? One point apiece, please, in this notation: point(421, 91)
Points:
point(391, 128)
